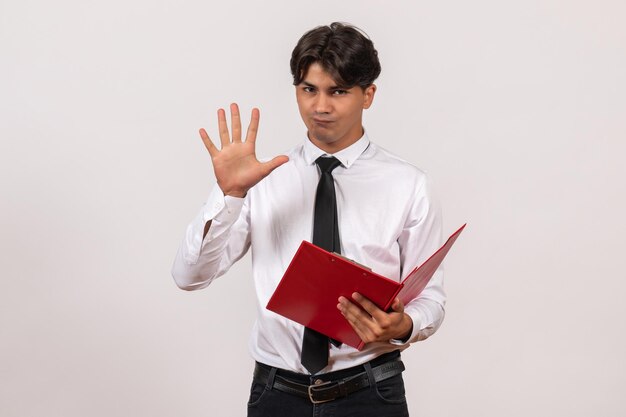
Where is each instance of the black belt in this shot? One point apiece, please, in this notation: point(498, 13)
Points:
point(324, 388)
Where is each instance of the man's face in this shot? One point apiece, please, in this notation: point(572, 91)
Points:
point(332, 114)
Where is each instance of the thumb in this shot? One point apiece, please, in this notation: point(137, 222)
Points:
point(274, 163)
point(397, 306)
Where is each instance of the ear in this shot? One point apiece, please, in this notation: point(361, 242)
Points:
point(368, 95)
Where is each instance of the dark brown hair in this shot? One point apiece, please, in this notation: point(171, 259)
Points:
point(344, 51)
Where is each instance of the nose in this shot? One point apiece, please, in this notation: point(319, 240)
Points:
point(322, 104)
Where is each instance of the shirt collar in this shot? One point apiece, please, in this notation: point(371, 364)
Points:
point(346, 156)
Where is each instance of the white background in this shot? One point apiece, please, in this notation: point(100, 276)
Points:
point(516, 109)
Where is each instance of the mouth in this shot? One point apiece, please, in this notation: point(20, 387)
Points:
point(322, 122)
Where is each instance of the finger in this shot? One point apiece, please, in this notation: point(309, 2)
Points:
point(253, 127)
point(235, 122)
point(397, 306)
point(223, 128)
point(271, 165)
point(363, 336)
point(370, 307)
point(358, 319)
point(349, 308)
point(208, 143)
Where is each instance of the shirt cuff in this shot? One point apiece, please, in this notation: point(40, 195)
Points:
point(221, 208)
point(222, 211)
point(417, 324)
point(427, 316)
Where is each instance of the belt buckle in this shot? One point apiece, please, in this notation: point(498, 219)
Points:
point(312, 388)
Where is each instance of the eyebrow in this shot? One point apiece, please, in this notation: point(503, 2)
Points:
point(334, 87)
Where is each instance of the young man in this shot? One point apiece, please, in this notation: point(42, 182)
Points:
point(342, 192)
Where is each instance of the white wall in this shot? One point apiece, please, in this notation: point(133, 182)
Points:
point(517, 110)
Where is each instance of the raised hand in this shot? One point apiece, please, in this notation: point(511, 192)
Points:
point(235, 165)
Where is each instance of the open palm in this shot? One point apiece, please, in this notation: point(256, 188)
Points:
point(236, 167)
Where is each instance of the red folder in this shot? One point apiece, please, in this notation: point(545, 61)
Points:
point(309, 290)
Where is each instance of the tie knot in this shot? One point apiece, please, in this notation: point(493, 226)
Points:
point(327, 164)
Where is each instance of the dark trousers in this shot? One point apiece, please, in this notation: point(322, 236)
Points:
point(381, 399)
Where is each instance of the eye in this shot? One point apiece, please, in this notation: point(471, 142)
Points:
point(340, 92)
point(307, 89)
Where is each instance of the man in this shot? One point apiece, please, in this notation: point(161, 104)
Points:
point(343, 192)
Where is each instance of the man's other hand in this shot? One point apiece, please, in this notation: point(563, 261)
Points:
point(373, 324)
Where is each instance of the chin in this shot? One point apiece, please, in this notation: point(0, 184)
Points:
point(324, 138)
point(321, 135)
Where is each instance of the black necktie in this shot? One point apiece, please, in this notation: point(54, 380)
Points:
point(325, 235)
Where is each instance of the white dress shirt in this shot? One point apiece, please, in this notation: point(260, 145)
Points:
point(388, 221)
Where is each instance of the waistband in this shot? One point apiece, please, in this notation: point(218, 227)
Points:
point(332, 385)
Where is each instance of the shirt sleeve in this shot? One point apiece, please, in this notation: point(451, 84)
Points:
point(199, 259)
point(419, 239)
